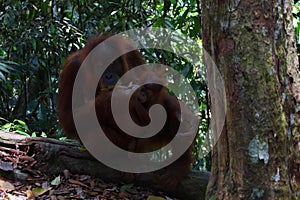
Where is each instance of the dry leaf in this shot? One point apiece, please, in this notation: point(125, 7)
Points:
point(6, 186)
point(151, 197)
point(29, 194)
point(39, 191)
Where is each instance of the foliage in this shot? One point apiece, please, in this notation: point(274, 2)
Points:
point(20, 127)
point(32, 37)
point(38, 35)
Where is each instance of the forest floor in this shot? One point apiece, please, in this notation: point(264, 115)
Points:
point(70, 186)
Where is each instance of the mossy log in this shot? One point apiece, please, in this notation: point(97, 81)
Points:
point(28, 158)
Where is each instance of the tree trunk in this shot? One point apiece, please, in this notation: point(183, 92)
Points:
point(252, 43)
point(30, 158)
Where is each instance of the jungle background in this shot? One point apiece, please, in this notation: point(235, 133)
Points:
point(36, 37)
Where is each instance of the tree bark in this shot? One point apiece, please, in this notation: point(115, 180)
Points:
point(29, 158)
point(252, 43)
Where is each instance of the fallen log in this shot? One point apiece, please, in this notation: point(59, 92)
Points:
point(28, 158)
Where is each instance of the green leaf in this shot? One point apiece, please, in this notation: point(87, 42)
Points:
point(33, 41)
point(63, 138)
point(22, 133)
point(21, 123)
point(43, 134)
point(3, 119)
point(2, 77)
point(52, 28)
point(125, 187)
point(39, 191)
point(5, 68)
point(6, 127)
point(56, 181)
point(160, 22)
